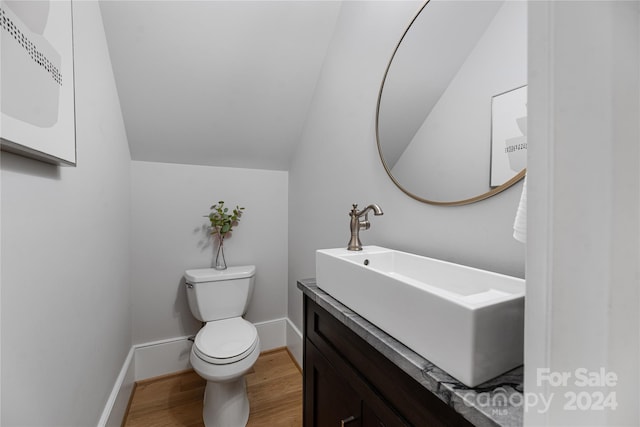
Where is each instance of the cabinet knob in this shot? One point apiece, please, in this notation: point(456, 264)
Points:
point(347, 420)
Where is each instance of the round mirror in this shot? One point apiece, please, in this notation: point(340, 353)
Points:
point(451, 117)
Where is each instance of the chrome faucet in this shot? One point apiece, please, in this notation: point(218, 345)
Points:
point(358, 224)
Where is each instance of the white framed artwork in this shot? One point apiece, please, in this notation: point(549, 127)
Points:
point(37, 80)
point(508, 135)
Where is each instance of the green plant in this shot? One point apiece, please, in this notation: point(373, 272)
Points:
point(223, 221)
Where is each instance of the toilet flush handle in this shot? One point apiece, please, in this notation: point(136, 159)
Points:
point(189, 285)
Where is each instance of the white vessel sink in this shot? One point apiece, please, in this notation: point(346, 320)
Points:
point(469, 322)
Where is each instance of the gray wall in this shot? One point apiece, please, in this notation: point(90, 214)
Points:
point(169, 202)
point(336, 164)
point(66, 305)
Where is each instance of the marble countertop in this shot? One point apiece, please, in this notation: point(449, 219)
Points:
point(498, 402)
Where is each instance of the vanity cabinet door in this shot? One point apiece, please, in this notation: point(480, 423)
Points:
point(329, 400)
point(382, 416)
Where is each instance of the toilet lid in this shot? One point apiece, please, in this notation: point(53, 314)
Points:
point(226, 341)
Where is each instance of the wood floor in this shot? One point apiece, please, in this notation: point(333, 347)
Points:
point(274, 388)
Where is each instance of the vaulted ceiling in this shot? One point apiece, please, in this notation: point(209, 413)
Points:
point(221, 83)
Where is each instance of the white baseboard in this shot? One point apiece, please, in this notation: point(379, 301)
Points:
point(294, 342)
point(164, 357)
point(272, 333)
point(172, 355)
point(116, 406)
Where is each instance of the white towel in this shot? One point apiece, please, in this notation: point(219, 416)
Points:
point(520, 223)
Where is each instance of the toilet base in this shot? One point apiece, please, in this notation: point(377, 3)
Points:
point(226, 404)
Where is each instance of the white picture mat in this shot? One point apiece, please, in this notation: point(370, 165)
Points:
point(53, 141)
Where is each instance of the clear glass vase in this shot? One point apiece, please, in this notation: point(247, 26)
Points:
point(220, 262)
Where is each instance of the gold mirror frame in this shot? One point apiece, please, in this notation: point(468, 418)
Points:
point(470, 200)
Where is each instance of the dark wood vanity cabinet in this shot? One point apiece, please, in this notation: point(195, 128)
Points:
point(349, 383)
point(330, 399)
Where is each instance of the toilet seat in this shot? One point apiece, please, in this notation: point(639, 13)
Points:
point(225, 341)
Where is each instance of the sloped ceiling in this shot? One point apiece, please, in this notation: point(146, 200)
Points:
point(221, 83)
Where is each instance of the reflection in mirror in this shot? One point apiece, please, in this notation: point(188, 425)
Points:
point(458, 61)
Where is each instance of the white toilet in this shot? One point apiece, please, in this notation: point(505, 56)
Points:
point(227, 346)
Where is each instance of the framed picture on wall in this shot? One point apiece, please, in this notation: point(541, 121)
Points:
point(37, 80)
point(508, 135)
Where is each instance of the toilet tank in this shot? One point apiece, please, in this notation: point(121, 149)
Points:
point(219, 294)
